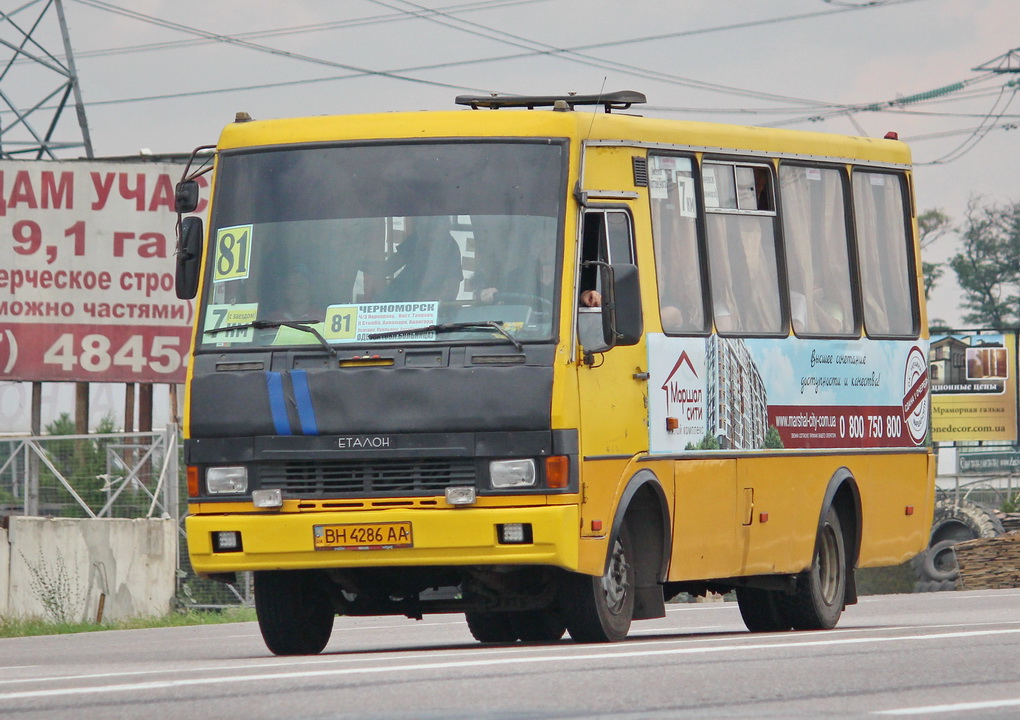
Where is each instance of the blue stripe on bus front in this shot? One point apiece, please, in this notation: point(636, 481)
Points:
point(303, 396)
point(277, 405)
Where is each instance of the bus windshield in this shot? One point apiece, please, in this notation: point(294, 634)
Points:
point(362, 242)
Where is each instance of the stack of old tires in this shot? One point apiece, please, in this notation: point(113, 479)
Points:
point(955, 521)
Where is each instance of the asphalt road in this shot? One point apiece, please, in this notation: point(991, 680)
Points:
point(952, 655)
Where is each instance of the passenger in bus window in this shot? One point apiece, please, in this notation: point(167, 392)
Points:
point(426, 265)
point(594, 230)
point(746, 290)
point(678, 270)
point(817, 314)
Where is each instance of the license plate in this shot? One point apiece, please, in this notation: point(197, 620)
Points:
point(363, 536)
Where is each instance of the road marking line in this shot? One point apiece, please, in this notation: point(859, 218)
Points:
point(958, 707)
point(365, 656)
point(475, 663)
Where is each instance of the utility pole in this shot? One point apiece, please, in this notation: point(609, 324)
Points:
point(38, 80)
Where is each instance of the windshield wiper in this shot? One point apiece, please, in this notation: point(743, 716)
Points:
point(493, 325)
point(302, 325)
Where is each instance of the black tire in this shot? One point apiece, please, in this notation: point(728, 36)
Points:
point(954, 521)
point(820, 594)
point(762, 610)
point(294, 612)
point(960, 520)
point(491, 627)
point(600, 609)
point(544, 625)
point(940, 562)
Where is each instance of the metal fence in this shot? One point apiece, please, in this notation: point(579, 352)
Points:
point(109, 475)
point(123, 475)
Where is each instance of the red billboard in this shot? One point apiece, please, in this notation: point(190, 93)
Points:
point(86, 273)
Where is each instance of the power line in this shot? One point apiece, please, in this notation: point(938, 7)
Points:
point(549, 50)
point(980, 132)
point(838, 110)
point(444, 16)
point(300, 29)
point(228, 39)
point(572, 54)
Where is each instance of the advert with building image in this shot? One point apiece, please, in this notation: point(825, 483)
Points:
point(741, 394)
point(973, 384)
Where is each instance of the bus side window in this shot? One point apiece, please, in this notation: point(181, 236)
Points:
point(742, 260)
point(607, 238)
point(675, 235)
point(890, 305)
point(817, 255)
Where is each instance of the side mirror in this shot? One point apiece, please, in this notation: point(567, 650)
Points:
point(618, 321)
point(186, 196)
point(625, 314)
point(189, 257)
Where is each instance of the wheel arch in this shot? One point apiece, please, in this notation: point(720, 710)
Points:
point(644, 510)
point(843, 494)
point(643, 505)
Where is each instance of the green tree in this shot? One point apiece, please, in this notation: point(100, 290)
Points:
point(709, 442)
point(773, 441)
point(987, 266)
point(931, 225)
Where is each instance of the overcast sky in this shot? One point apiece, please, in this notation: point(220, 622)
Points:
point(166, 75)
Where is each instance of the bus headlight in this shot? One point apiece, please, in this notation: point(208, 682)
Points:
point(226, 480)
point(512, 473)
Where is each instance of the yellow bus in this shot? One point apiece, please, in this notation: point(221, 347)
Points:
point(550, 364)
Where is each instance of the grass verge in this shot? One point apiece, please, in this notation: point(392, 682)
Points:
point(13, 627)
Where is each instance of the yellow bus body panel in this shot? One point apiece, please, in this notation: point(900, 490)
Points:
point(614, 128)
point(461, 536)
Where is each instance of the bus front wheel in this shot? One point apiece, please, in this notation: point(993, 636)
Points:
point(490, 627)
point(294, 612)
point(821, 591)
point(600, 609)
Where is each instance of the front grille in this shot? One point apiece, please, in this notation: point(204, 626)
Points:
point(358, 478)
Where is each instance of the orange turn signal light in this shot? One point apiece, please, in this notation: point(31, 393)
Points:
point(557, 471)
point(192, 481)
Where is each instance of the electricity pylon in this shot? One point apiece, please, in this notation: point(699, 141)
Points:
point(38, 82)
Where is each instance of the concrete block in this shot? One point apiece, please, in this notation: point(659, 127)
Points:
point(62, 567)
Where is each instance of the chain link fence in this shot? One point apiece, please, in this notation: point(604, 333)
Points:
point(110, 475)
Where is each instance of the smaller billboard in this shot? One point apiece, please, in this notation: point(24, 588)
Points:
point(973, 385)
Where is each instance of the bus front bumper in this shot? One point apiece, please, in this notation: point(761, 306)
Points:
point(461, 536)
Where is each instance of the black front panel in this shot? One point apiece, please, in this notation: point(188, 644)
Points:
point(368, 400)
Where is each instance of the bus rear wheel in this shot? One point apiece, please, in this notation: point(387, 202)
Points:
point(818, 601)
point(295, 614)
point(600, 609)
point(762, 610)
